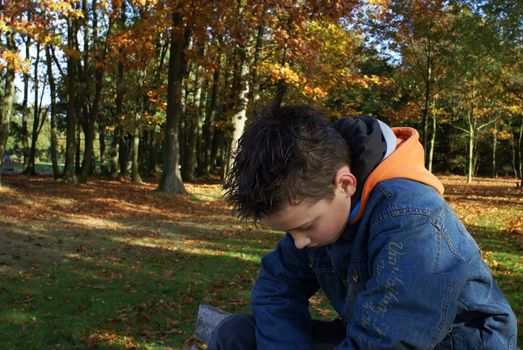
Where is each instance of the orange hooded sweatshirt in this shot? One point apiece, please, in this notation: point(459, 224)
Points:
point(407, 162)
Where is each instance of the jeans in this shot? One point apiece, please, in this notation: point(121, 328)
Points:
point(238, 332)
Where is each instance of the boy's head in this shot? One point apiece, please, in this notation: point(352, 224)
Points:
point(286, 156)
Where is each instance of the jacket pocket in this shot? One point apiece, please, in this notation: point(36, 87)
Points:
point(461, 338)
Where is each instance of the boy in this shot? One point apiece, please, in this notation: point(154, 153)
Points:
point(366, 222)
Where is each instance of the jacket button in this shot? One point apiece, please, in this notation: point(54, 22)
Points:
point(355, 276)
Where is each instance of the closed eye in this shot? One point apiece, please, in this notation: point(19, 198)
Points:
point(307, 228)
point(304, 228)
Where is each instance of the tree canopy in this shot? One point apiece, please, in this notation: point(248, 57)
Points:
point(163, 87)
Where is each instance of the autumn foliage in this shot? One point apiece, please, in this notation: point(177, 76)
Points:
point(450, 69)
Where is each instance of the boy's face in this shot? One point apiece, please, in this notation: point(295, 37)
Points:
point(321, 223)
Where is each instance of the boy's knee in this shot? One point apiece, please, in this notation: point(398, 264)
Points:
point(235, 332)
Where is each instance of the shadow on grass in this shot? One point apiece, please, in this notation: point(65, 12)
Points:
point(101, 287)
point(115, 265)
point(501, 250)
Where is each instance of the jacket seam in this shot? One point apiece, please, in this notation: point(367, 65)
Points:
point(444, 315)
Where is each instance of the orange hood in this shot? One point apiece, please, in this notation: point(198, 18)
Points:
point(406, 162)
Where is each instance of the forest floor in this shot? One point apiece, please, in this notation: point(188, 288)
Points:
point(111, 264)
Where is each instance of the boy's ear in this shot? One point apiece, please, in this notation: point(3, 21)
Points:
point(345, 181)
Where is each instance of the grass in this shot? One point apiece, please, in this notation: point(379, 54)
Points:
point(40, 168)
point(110, 264)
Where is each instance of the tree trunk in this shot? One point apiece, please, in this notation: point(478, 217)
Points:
point(470, 158)
point(69, 170)
point(219, 139)
point(89, 127)
point(193, 127)
point(6, 109)
point(432, 144)
point(426, 107)
point(171, 181)
point(202, 111)
point(121, 136)
point(185, 123)
point(104, 169)
point(494, 148)
point(113, 154)
point(254, 91)
point(30, 169)
point(240, 117)
point(25, 109)
point(241, 99)
point(92, 115)
point(281, 86)
point(520, 151)
point(135, 173)
point(208, 128)
point(87, 159)
point(77, 161)
point(514, 155)
point(124, 152)
point(54, 131)
point(152, 154)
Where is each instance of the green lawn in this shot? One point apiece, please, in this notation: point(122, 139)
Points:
point(110, 264)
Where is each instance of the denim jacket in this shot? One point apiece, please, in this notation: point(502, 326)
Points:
point(407, 275)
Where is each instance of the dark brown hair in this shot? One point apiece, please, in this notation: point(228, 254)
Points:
point(286, 155)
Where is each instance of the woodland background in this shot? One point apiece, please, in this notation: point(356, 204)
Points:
point(162, 87)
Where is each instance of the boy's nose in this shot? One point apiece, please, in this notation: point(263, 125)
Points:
point(301, 241)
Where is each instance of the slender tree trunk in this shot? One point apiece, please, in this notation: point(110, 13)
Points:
point(77, 161)
point(254, 91)
point(192, 128)
point(171, 181)
point(520, 151)
point(6, 109)
point(472, 136)
point(30, 169)
point(451, 150)
point(124, 152)
point(92, 115)
point(113, 154)
point(54, 131)
point(514, 155)
point(240, 117)
point(185, 123)
point(432, 144)
point(69, 170)
point(152, 153)
point(281, 86)
point(202, 111)
point(135, 173)
point(494, 148)
point(208, 128)
point(25, 108)
point(101, 128)
point(426, 107)
point(219, 139)
point(122, 149)
point(121, 138)
point(104, 169)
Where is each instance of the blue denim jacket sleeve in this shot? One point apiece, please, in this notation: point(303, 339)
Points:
point(280, 299)
point(411, 296)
